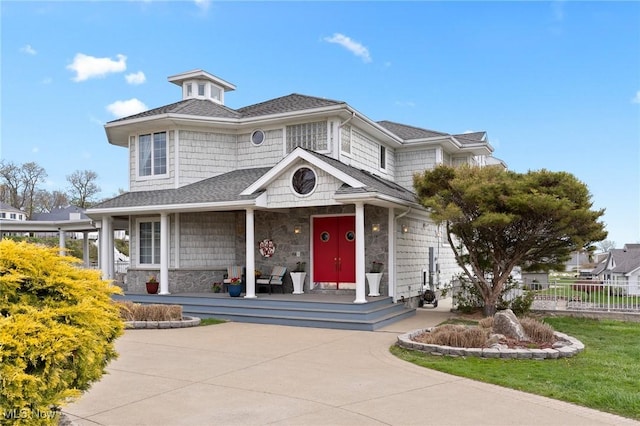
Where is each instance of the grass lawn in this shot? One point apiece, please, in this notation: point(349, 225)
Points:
point(605, 376)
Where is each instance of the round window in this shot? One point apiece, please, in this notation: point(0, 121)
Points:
point(324, 236)
point(257, 137)
point(350, 236)
point(303, 181)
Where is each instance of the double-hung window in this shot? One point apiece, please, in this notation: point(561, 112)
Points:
point(149, 242)
point(152, 158)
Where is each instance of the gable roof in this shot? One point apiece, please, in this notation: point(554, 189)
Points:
point(624, 260)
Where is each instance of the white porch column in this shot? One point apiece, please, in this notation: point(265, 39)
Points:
point(250, 276)
point(164, 254)
point(61, 243)
point(85, 249)
point(360, 267)
point(105, 264)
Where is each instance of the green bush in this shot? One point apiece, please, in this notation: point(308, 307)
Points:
point(58, 327)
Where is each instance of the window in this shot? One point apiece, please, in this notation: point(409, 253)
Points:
point(215, 92)
point(345, 136)
point(149, 243)
point(311, 136)
point(257, 137)
point(189, 89)
point(152, 158)
point(200, 89)
point(12, 216)
point(303, 181)
point(3, 215)
point(383, 157)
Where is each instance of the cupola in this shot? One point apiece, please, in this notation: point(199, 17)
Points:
point(199, 84)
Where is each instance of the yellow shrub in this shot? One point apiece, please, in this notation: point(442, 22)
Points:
point(58, 326)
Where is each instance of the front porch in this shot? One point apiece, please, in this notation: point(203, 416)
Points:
point(335, 311)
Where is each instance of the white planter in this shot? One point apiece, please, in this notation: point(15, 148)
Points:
point(373, 278)
point(298, 282)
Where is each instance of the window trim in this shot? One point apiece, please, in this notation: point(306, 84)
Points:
point(152, 174)
point(382, 157)
point(315, 184)
point(264, 137)
point(153, 221)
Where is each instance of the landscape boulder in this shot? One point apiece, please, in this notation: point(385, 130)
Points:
point(505, 322)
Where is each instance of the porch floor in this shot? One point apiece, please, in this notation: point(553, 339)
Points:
point(322, 310)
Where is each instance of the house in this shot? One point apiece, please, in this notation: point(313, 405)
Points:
point(8, 212)
point(292, 179)
point(621, 267)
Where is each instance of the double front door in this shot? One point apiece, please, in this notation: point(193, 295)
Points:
point(334, 250)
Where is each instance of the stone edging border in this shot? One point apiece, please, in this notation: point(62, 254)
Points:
point(572, 346)
point(185, 322)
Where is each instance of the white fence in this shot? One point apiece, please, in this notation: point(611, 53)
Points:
point(588, 295)
point(583, 295)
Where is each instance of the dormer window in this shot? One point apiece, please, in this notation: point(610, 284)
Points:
point(199, 84)
point(201, 89)
point(189, 87)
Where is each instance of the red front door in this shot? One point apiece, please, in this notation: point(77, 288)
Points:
point(334, 249)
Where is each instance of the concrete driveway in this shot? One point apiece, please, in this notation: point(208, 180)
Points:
point(248, 374)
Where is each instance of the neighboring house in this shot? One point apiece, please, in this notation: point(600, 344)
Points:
point(621, 267)
point(63, 223)
point(9, 212)
point(212, 186)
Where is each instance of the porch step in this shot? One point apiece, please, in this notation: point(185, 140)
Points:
point(289, 310)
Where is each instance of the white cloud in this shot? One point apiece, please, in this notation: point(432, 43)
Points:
point(351, 45)
point(35, 150)
point(136, 78)
point(126, 108)
point(636, 98)
point(29, 50)
point(87, 67)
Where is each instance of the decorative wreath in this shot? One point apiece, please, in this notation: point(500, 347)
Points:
point(267, 248)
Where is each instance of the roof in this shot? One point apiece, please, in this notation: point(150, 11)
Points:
point(227, 188)
point(373, 183)
point(197, 107)
point(410, 132)
point(60, 214)
point(284, 104)
point(222, 188)
point(624, 260)
point(9, 208)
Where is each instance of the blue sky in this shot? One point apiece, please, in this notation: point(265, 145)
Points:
point(555, 84)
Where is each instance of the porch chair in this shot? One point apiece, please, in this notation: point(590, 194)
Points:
point(233, 272)
point(276, 278)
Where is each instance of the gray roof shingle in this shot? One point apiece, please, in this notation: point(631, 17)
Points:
point(284, 104)
point(221, 188)
point(409, 132)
